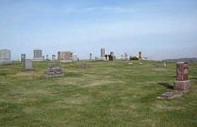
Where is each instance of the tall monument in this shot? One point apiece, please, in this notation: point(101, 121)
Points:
point(102, 53)
point(182, 79)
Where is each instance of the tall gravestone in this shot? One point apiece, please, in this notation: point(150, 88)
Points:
point(90, 57)
point(102, 54)
point(140, 55)
point(23, 58)
point(27, 63)
point(126, 56)
point(182, 79)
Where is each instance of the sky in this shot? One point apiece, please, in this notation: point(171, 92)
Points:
point(161, 29)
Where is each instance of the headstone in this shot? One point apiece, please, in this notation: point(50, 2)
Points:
point(5, 56)
point(112, 56)
point(53, 57)
point(122, 57)
point(106, 57)
point(54, 71)
point(65, 56)
point(112, 53)
point(90, 58)
point(126, 56)
point(164, 65)
point(27, 65)
point(47, 57)
point(102, 54)
point(160, 65)
point(23, 57)
point(74, 58)
point(140, 55)
point(37, 55)
point(182, 80)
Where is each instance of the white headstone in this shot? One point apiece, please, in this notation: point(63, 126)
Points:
point(5, 56)
point(27, 65)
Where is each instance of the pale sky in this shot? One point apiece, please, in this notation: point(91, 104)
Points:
point(159, 28)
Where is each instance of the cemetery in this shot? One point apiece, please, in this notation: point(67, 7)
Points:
point(98, 63)
point(98, 93)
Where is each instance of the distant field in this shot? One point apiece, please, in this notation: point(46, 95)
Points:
point(104, 94)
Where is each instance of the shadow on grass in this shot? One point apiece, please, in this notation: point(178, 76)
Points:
point(3, 74)
point(193, 78)
point(167, 85)
point(72, 74)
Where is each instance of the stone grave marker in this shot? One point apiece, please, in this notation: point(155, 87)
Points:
point(27, 65)
point(182, 79)
point(54, 71)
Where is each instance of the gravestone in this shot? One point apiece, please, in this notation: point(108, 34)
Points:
point(5, 56)
point(53, 57)
point(37, 55)
point(54, 71)
point(90, 57)
point(126, 56)
point(96, 58)
point(164, 65)
point(102, 54)
point(27, 65)
point(160, 65)
point(140, 56)
point(74, 58)
point(23, 57)
point(65, 56)
point(182, 79)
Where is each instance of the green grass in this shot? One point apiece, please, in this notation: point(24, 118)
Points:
point(105, 94)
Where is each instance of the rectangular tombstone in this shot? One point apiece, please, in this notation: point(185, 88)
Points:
point(27, 66)
point(5, 56)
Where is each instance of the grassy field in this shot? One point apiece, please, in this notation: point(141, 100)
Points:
point(105, 94)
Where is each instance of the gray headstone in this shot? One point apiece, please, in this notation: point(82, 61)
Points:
point(37, 55)
point(5, 56)
point(27, 66)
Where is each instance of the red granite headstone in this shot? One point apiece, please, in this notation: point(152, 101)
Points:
point(182, 80)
